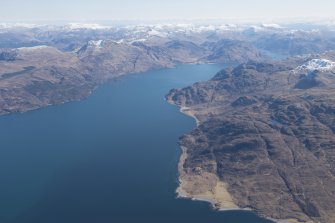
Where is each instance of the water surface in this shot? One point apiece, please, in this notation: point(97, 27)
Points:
point(109, 158)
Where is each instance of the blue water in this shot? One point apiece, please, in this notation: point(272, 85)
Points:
point(109, 158)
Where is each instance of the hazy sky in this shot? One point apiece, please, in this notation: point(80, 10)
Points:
point(27, 10)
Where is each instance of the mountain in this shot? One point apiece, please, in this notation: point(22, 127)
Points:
point(234, 51)
point(263, 141)
point(43, 65)
point(40, 76)
point(296, 42)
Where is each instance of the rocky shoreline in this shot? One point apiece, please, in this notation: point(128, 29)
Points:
point(264, 139)
point(218, 196)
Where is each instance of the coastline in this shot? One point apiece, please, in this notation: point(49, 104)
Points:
point(187, 111)
point(85, 93)
point(94, 85)
point(215, 192)
point(218, 196)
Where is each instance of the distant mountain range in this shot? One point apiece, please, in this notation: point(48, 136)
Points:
point(67, 62)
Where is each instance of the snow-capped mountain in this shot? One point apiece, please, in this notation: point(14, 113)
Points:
point(271, 39)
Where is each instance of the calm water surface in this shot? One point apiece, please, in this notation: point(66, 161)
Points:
point(110, 158)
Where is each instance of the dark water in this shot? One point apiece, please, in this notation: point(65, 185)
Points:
point(110, 158)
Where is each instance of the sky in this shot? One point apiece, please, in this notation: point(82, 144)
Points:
point(93, 10)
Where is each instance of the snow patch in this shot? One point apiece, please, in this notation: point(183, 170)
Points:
point(33, 48)
point(316, 65)
point(156, 33)
point(272, 26)
point(93, 26)
point(137, 40)
point(95, 44)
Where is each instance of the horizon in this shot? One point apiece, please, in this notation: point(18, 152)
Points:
point(195, 21)
point(150, 10)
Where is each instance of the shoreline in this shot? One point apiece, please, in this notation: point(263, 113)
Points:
point(104, 80)
point(187, 111)
point(218, 197)
point(225, 203)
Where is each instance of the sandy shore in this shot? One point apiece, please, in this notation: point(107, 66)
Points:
point(190, 113)
point(203, 187)
point(206, 186)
